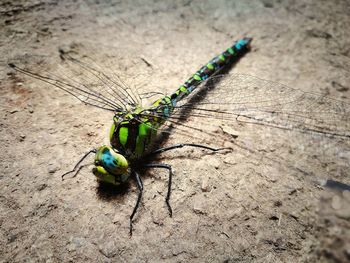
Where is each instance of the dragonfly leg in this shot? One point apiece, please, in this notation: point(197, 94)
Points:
point(140, 188)
point(181, 145)
point(168, 167)
point(78, 170)
point(78, 163)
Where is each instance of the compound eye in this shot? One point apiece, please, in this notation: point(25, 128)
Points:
point(114, 163)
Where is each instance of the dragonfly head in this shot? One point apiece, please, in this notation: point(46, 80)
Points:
point(110, 166)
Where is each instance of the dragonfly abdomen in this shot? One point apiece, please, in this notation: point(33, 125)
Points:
point(229, 56)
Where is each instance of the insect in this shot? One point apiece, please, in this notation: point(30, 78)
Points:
point(135, 128)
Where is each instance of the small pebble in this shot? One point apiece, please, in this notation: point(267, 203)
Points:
point(230, 131)
point(230, 160)
point(53, 168)
point(336, 202)
point(205, 184)
point(158, 217)
point(198, 207)
point(108, 249)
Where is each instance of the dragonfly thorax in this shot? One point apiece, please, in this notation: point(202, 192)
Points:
point(132, 133)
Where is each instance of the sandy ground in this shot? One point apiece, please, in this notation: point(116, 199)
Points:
point(260, 203)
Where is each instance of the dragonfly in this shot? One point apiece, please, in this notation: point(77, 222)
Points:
point(136, 128)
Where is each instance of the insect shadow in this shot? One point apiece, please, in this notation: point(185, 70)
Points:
point(109, 193)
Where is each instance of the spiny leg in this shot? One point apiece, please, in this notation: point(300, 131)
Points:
point(75, 167)
point(181, 145)
point(168, 167)
point(78, 170)
point(140, 188)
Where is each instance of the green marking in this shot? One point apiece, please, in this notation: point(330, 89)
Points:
point(141, 137)
point(123, 135)
point(167, 99)
point(231, 51)
point(210, 66)
point(183, 89)
point(143, 129)
point(111, 131)
point(156, 103)
point(222, 57)
point(196, 77)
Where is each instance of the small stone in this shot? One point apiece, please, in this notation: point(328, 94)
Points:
point(230, 160)
point(158, 217)
point(108, 249)
point(205, 184)
point(198, 207)
point(53, 168)
point(228, 130)
point(22, 137)
point(336, 202)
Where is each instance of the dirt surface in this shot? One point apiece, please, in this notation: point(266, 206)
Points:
point(263, 202)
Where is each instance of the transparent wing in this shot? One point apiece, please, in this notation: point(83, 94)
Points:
point(245, 98)
point(81, 77)
point(275, 128)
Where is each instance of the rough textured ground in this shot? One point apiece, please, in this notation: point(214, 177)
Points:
point(261, 205)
